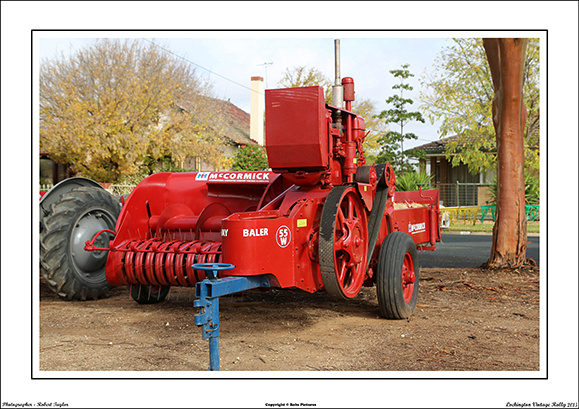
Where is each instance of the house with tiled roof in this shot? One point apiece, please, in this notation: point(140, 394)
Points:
point(234, 131)
point(446, 177)
point(233, 128)
point(237, 131)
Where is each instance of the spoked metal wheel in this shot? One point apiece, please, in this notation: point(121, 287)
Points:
point(343, 246)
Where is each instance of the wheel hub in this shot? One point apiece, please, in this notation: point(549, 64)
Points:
point(351, 240)
point(86, 227)
point(408, 277)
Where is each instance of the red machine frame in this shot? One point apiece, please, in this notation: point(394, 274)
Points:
point(316, 221)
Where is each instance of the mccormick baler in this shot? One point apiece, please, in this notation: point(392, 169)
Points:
point(319, 220)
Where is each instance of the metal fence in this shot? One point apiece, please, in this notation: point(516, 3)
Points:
point(451, 194)
point(119, 190)
point(463, 194)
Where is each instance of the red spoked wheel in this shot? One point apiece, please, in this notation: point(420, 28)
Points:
point(343, 244)
point(397, 276)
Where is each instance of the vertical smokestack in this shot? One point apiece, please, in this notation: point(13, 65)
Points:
point(257, 110)
point(337, 89)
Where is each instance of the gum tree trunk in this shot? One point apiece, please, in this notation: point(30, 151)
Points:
point(506, 58)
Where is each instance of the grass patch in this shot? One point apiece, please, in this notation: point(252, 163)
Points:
point(486, 227)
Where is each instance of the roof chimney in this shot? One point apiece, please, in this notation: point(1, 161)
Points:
point(257, 110)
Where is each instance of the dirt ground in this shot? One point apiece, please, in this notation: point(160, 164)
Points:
point(466, 320)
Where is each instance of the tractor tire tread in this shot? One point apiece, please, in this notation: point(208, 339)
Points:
point(57, 272)
point(326, 241)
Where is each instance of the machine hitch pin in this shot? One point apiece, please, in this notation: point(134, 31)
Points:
point(89, 245)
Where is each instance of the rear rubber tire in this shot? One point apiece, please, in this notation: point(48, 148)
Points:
point(148, 294)
point(397, 276)
point(67, 269)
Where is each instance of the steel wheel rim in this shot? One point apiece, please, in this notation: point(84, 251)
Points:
point(90, 264)
point(408, 277)
point(350, 242)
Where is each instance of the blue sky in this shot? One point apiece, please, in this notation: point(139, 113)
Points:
point(230, 61)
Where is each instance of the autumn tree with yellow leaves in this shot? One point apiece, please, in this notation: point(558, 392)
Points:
point(116, 106)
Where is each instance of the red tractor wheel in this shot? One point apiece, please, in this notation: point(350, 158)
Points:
point(397, 276)
point(343, 246)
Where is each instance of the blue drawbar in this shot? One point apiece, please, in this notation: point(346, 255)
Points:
point(208, 292)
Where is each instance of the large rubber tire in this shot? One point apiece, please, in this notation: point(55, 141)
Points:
point(69, 270)
point(397, 276)
point(148, 294)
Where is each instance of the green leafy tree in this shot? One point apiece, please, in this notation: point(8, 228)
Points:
point(392, 143)
point(115, 105)
point(250, 157)
point(460, 94)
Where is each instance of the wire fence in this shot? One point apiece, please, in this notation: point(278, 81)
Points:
point(467, 200)
point(120, 190)
point(471, 202)
point(464, 194)
point(113, 189)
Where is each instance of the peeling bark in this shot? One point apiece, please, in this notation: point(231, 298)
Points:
point(506, 61)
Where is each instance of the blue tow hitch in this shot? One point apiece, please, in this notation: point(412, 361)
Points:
point(208, 292)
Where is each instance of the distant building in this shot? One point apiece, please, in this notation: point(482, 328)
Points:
point(445, 176)
point(234, 130)
point(50, 171)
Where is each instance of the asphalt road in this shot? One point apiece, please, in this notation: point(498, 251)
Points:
point(467, 250)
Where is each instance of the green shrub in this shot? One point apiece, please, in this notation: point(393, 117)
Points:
point(413, 181)
point(532, 190)
point(250, 157)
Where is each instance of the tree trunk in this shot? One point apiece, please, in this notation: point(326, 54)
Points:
point(506, 58)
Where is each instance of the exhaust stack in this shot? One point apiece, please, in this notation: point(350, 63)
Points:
point(337, 88)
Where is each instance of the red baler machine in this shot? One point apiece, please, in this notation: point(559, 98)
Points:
point(321, 219)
